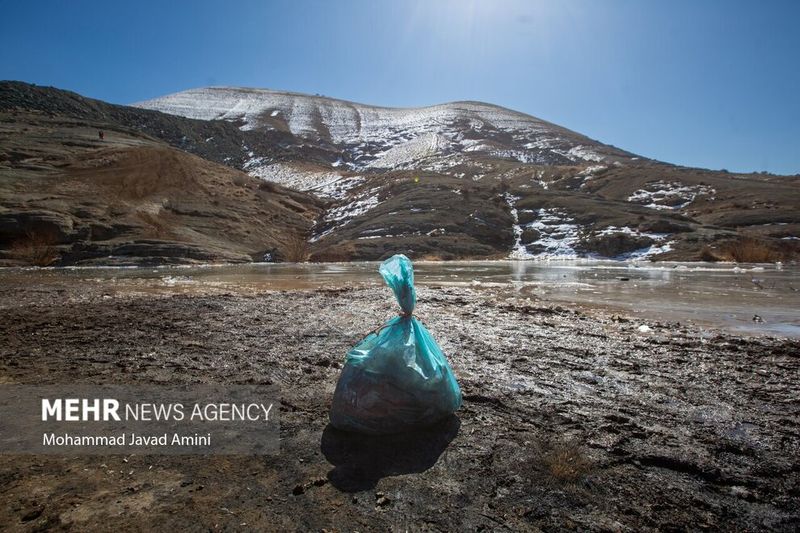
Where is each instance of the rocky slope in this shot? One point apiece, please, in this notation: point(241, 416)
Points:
point(458, 180)
point(474, 179)
point(68, 197)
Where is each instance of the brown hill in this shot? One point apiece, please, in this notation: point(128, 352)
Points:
point(70, 198)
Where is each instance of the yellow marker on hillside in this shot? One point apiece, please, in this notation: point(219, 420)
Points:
point(416, 179)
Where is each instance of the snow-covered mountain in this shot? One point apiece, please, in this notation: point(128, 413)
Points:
point(382, 137)
point(472, 179)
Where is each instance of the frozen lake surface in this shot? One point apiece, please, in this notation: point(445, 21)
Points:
point(749, 299)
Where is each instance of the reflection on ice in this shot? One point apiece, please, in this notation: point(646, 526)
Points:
point(718, 295)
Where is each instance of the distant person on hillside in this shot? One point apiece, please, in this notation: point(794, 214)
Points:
point(101, 135)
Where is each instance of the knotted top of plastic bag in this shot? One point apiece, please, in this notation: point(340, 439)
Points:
point(398, 273)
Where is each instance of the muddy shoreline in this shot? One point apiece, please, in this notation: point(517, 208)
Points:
point(571, 420)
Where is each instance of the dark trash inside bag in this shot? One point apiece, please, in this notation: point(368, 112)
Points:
point(397, 378)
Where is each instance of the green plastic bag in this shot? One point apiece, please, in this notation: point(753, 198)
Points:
point(397, 378)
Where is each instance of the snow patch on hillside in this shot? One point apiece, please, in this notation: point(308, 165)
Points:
point(669, 195)
point(344, 214)
point(411, 151)
point(660, 246)
point(588, 173)
point(288, 175)
point(557, 145)
point(591, 170)
point(517, 250)
point(558, 234)
point(321, 182)
point(338, 189)
point(585, 153)
point(518, 155)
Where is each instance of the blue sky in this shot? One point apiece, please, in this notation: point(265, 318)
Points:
point(714, 84)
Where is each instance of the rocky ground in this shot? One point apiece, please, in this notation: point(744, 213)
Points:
point(571, 419)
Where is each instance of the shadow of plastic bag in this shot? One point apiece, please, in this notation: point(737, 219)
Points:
point(360, 461)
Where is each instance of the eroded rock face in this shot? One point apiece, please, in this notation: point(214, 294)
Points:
point(663, 225)
point(20, 225)
point(530, 235)
point(615, 244)
point(99, 231)
point(160, 248)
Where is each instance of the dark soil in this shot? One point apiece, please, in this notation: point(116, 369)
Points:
point(570, 420)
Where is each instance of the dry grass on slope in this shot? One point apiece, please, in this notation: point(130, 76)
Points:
point(750, 250)
point(35, 249)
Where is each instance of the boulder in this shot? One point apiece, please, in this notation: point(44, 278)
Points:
point(530, 235)
point(664, 225)
point(615, 244)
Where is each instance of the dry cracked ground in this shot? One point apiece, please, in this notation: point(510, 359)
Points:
point(571, 419)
